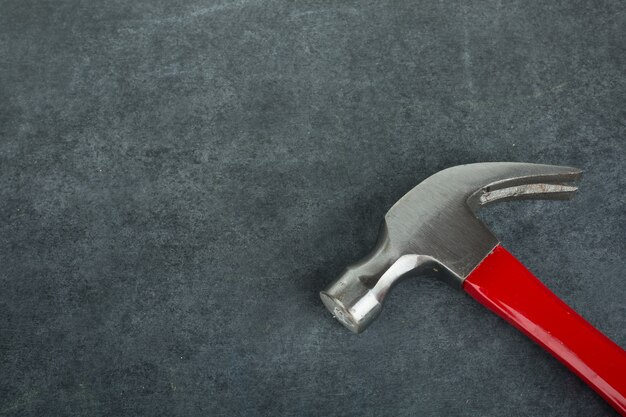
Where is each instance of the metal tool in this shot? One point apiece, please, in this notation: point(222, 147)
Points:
point(433, 230)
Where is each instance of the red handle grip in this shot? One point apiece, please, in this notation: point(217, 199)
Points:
point(503, 285)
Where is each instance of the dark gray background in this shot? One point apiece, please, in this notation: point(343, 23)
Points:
point(179, 179)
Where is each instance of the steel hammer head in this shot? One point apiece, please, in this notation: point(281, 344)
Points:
point(433, 230)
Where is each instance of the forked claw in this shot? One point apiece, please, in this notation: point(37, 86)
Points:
point(528, 191)
point(524, 182)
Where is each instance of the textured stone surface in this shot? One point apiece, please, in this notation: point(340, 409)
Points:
point(178, 180)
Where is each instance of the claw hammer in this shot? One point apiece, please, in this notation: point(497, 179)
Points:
point(432, 230)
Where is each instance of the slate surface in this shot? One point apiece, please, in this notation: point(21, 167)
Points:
point(178, 180)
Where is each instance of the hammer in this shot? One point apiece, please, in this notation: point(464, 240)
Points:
point(432, 230)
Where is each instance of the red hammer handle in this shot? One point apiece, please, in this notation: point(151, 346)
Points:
point(503, 285)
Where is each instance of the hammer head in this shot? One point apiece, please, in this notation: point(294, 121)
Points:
point(433, 230)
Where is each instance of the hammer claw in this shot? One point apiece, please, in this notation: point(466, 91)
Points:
point(527, 192)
